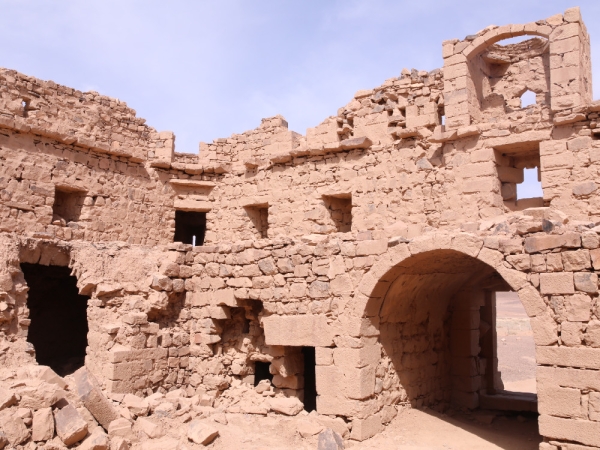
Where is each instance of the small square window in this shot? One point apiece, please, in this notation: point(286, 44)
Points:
point(340, 211)
point(67, 205)
point(259, 215)
point(190, 227)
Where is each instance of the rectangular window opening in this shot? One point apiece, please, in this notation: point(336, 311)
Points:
point(340, 211)
point(190, 227)
point(262, 372)
point(67, 205)
point(520, 178)
point(310, 383)
point(515, 348)
point(259, 215)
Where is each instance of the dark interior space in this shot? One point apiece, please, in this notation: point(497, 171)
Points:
point(261, 372)
point(310, 384)
point(67, 205)
point(189, 224)
point(58, 329)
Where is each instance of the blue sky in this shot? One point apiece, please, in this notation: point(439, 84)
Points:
point(207, 69)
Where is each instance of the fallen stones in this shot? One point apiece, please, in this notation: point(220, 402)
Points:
point(201, 432)
point(119, 427)
point(98, 440)
point(70, 426)
point(43, 425)
point(7, 398)
point(307, 428)
point(90, 394)
point(330, 440)
point(138, 406)
point(14, 429)
point(288, 406)
point(152, 429)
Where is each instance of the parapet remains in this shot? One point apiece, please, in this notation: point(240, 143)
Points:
point(350, 271)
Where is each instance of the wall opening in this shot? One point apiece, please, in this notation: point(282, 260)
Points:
point(190, 227)
point(340, 211)
point(436, 327)
point(67, 205)
point(514, 345)
point(261, 372)
point(59, 327)
point(259, 215)
point(310, 386)
point(520, 177)
point(528, 99)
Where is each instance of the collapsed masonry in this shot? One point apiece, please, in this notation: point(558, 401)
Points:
point(354, 269)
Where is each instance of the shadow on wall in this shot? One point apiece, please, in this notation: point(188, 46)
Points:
point(433, 332)
point(59, 327)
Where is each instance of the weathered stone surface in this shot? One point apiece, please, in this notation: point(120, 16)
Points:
point(201, 432)
point(70, 426)
point(330, 440)
point(90, 394)
point(42, 428)
point(288, 406)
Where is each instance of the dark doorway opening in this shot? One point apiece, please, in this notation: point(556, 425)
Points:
point(310, 385)
point(189, 224)
point(59, 327)
point(261, 372)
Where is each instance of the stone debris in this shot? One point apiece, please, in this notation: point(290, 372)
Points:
point(348, 272)
point(43, 425)
point(201, 432)
point(330, 440)
point(70, 426)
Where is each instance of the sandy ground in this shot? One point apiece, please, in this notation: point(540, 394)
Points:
point(410, 430)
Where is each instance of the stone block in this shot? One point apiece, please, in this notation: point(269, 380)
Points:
point(136, 405)
point(225, 297)
point(356, 357)
point(330, 440)
point(578, 307)
point(119, 427)
point(97, 440)
point(557, 283)
point(7, 398)
point(586, 282)
point(584, 358)
point(150, 428)
point(70, 426)
point(89, 393)
point(558, 401)
point(372, 247)
point(363, 429)
point(42, 428)
point(201, 432)
point(582, 431)
point(536, 244)
point(300, 330)
point(594, 406)
point(289, 406)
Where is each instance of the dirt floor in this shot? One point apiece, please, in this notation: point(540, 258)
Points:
point(411, 429)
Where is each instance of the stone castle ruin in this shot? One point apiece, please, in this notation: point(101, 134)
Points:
point(351, 271)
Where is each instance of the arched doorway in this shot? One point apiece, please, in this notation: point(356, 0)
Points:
point(436, 318)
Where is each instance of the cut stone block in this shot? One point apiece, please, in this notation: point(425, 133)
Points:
point(201, 432)
point(90, 394)
point(42, 428)
point(70, 426)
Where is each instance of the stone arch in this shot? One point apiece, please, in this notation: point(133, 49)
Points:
point(505, 32)
point(424, 299)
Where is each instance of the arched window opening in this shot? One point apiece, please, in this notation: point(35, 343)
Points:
point(528, 99)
